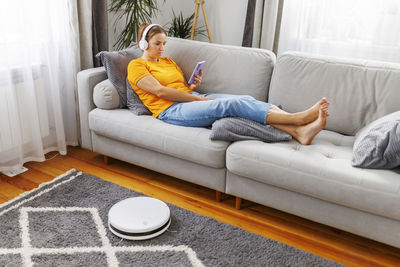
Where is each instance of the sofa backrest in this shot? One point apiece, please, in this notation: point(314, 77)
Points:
point(359, 91)
point(228, 69)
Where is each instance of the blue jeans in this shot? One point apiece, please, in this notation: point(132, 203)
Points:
point(204, 113)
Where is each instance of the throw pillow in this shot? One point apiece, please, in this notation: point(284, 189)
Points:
point(237, 129)
point(134, 103)
point(116, 64)
point(377, 145)
point(105, 96)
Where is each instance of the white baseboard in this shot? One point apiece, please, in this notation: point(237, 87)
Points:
point(14, 173)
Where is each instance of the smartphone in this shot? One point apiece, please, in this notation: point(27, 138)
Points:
point(196, 71)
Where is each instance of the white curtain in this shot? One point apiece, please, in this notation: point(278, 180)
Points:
point(368, 29)
point(39, 58)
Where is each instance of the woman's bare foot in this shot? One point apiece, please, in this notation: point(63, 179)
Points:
point(312, 113)
point(306, 133)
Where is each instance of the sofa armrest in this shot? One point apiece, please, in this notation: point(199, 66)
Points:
point(87, 79)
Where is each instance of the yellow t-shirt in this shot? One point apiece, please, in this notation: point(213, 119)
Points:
point(166, 71)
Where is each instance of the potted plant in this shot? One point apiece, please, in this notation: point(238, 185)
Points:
point(135, 12)
point(181, 27)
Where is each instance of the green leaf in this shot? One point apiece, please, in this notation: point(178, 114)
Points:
point(182, 27)
point(135, 13)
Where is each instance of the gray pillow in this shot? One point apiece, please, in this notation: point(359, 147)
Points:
point(134, 103)
point(105, 96)
point(116, 64)
point(237, 129)
point(377, 145)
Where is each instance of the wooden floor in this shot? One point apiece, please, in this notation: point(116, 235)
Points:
point(315, 238)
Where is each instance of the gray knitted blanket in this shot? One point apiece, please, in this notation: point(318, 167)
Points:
point(237, 129)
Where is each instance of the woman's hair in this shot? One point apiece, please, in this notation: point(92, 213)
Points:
point(153, 31)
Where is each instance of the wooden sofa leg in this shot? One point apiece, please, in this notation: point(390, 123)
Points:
point(105, 160)
point(238, 203)
point(218, 195)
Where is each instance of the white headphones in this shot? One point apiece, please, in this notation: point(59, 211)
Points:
point(143, 44)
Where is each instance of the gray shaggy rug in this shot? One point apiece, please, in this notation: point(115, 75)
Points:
point(64, 223)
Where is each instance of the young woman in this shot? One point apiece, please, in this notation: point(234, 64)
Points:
point(160, 84)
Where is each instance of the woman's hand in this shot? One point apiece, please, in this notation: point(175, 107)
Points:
point(197, 81)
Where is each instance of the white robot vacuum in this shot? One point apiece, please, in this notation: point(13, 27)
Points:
point(139, 218)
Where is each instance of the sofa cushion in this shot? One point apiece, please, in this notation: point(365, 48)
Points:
point(229, 69)
point(116, 64)
point(134, 103)
point(377, 145)
point(105, 96)
point(322, 170)
point(356, 89)
point(239, 129)
point(188, 143)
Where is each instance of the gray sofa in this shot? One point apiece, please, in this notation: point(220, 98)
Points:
point(316, 182)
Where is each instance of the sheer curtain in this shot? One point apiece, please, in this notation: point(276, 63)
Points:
point(368, 29)
point(39, 54)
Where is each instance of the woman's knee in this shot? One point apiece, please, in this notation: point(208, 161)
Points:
point(245, 100)
point(248, 97)
point(235, 102)
point(244, 97)
point(234, 105)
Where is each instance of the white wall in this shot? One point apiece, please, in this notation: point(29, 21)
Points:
point(226, 19)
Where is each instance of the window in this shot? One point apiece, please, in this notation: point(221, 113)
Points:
point(355, 28)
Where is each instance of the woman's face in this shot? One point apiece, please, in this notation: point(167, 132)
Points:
point(157, 45)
